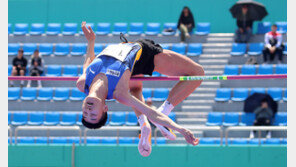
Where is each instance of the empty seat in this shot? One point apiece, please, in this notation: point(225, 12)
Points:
point(172, 115)
point(29, 48)
point(93, 140)
point(68, 118)
point(281, 69)
point(231, 119)
point(9, 28)
point(14, 93)
point(248, 70)
point(238, 49)
point(52, 118)
point(58, 140)
point(160, 94)
point(254, 141)
point(75, 140)
point(62, 49)
point(9, 118)
point(208, 141)
point(147, 93)
point(79, 119)
point(265, 69)
point(272, 141)
point(45, 49)
point(92, 25)
point(19, 118)
point(126, 140)
point(275, 93)
point(194, 49)
point(240, 94)
point(239, 141)
point(78, 49)
point(257, 90)
point(98, 48)
point(13, 49)
point(53, 28)
point(280, 119)
point(132, 119)
point(117, 118)
point(247, 119)
point(25, 140)
point(285, 94)
point(284, 141)
point(152, 29)
point(281, 27)
point(263, 27)
point(76, 95)
point(41, 140)
point(223, 94)
point(70, 70)
point(231, 70)
point(70, 28)
point(170, 26)
point(165, 46)
point(109, 140)
point(255, 49)
point(159, 141)
point(37, 29)
point(21, 29)
point(156, 74)
point(29, 94)
point(119, 28)
point(214, 119)
point(9, 70)
point(103, 28)
point(45, 94)
point(61, 94)
point(36, 118)
point(54, 70)
point(136, 28)
point(179, 48)
point(285, 49)
point(203, 28)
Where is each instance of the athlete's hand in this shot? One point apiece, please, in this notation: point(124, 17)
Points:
point(189, 137)
point(88, 32)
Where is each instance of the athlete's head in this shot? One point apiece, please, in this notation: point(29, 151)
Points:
point(274, 28)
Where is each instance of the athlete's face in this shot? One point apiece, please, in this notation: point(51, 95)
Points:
point(93, 109)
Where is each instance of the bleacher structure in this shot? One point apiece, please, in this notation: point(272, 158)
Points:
point(215, 105)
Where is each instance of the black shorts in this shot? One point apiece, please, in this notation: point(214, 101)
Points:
point(145, 65)
point(18, 70)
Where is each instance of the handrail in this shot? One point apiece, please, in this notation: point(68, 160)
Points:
point(10, 134)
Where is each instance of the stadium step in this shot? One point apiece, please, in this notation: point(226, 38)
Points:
point(182, 114)
point(214, 72)
point(214, 56)
point(203, 96)
point(216, 50)
point(213, 61)
point(193, 108)
point(195, 121)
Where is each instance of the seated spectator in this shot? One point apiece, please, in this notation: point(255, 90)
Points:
point(19, 64)
point(185, 23)
point(36, 67)
point(273, 45)
point(263, 117)
point(244, 31)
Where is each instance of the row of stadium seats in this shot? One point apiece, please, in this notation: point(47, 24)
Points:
point(79, 49)
point(243, 141)
point(73, 94)
point(264, 27)
point(253, 49)
point(101, 28)
point(70, 118)
point(245, 119)
point(251, 69)
point(240, 94)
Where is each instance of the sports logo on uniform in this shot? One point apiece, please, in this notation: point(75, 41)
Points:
point(91, 71)
point(113, 72)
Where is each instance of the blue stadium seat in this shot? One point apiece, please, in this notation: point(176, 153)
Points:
point(160, 94)
point(165, 46)
point(78, 122)
point(37, 29)
point(272, 141)
point(25, 140)
point(103, 28)
point(29, 94)
point(19, 118)
point(98, 48)
point(45, 94)
point(172, 115)
point(62, 49)
point(203, 28)
point(156, 74)
point(284, 141)
point(12, 140)
point(119, 28)
point(254, 141)
point(92, 25)
point(159, 141)
point(36, 118)
point(58, 140)
point(239, 141)
point(281, 27)
point(179, 48)
point(170, 26)
point(247, 119)
point(263, 27)
point(41, 140)
point(275, 93)
point(257, 90)
point(53, 29)
point(285, 94)
point(248, 70)
point(280, 119)
point(231, 119)
point(231, 70)
point(9, 69)
point(9, 118)
point(54, 70)
point(78, 49)
point(152, 29)
point(136, 28)
point(68, 118)
point(132, 119)
point(209, 141)
point(14, 93)
point(285, 49)
point(45, 49)
point(194, 49)
point(265, 69)
point(21, 29)
point(9, 28)
point(147, 93)
point(255, 49)
point(223, 94)
point(76, 95)
point(93, 140)
point(13, 49)
point(70, 70)
point(238, 49)
point(70, 28)
point(281, 69)
point(61, 94)
point(109, 140)
point(52, 118)
point(240, 94)
point(126, 140)
point(75, 140)
point(214, 119)
point(117, 119)
point(29, 48)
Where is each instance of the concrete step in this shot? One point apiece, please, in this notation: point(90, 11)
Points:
point(216, 50)
point(207, 84)
point(214, 72)
point(213, 61)
point(196, 121)
point(193, 108)
point(201, 96)
point(220, 40)
point(214, 56)
point(218, 35)
point(191, 114)
point(205, 90)
point(216, 45)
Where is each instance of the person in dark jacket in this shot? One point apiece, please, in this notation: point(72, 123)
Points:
point(19, 64)
point(36, 67)
point(185, 23)
point(244, 24)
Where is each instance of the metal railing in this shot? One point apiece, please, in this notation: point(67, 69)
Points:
point(10, 134)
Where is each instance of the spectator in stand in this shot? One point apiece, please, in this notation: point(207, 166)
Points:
point(244, 24)
point(185, 23)
point(36, 67)
point(273, 46)
point(19, 64)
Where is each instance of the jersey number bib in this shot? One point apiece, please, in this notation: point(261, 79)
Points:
point(118, 51)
